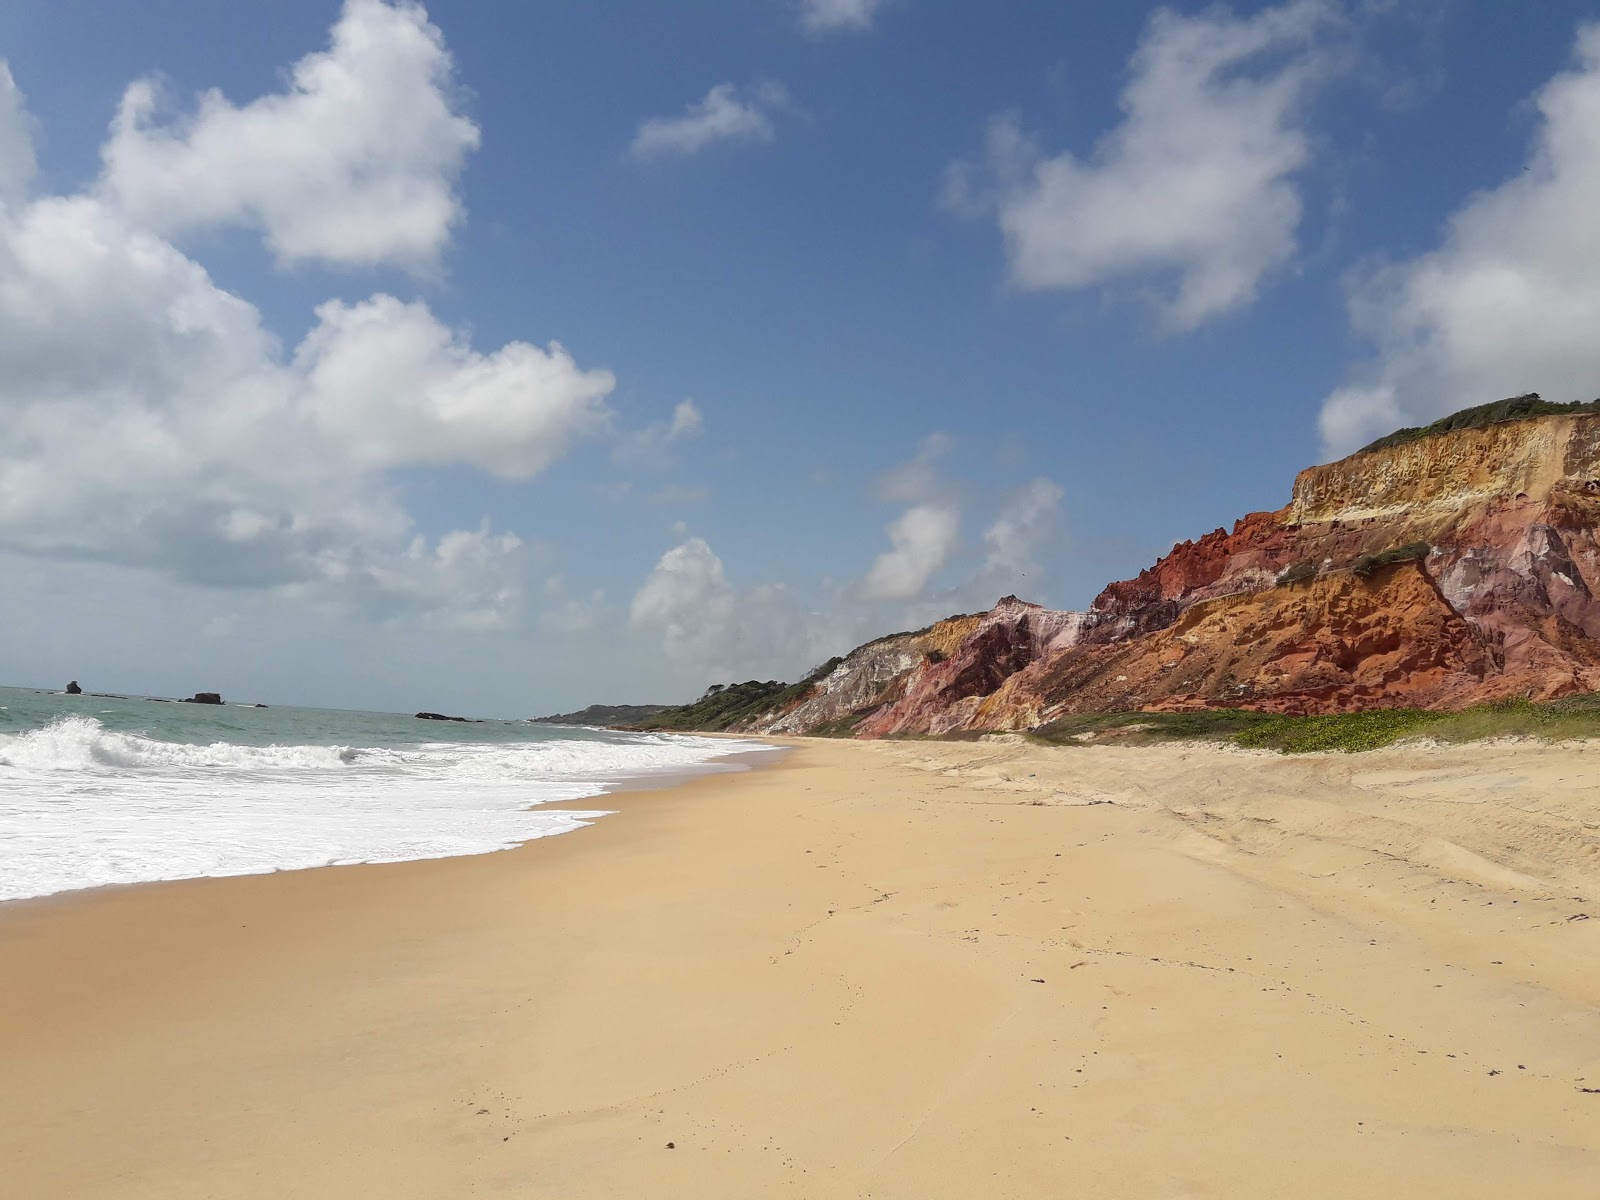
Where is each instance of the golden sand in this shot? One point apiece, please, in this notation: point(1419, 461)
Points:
point(885, 970)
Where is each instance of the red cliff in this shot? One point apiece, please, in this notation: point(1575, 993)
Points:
point(1438, 573)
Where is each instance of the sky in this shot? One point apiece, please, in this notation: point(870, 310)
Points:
point(503, 359)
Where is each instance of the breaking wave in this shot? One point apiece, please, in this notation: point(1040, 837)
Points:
point(85, 806)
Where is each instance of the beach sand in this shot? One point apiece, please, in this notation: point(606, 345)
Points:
point(874, 970)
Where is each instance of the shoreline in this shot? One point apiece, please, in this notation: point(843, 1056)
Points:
point(895, 969)
point(624, 782)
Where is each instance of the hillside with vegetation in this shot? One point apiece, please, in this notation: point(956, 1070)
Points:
point(1442, 580)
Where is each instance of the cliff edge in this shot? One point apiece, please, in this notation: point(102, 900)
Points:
point(1438, 568)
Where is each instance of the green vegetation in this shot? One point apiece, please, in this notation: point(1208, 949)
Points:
point(1517, 408)
point(722, 707)
point(1143, 728)
point(1551, 720)
point(1348, 732)
point(726, 705)
point(1368, 564)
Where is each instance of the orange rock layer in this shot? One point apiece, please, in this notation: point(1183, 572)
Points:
point(1288, 612)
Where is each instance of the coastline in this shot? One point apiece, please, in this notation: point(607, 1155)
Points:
point(892, 969)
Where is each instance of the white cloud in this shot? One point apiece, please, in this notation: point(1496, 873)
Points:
point(1509, 302)
point(17, 163)
point(393, 386)
point(153, 421)
point(652, 441)
point(355, 163)
point(1194, 192)
point(464, 580)
point(686, 420)
point(830, 16)
point(715, 632)
point(727, 113)
point(923, 539)
point(1024, 523)
point(687, 598)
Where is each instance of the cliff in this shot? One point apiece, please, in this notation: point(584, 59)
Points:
point(1437, 569)
point(602, 715)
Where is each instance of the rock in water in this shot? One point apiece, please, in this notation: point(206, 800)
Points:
point(73, 689)
point(205, 698)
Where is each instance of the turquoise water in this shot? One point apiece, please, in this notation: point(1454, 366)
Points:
point(99, 790)
point(27, 708)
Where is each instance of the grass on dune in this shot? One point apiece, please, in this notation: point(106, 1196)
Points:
point(1553, 720)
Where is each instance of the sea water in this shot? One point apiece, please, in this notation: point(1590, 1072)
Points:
point(107, 790)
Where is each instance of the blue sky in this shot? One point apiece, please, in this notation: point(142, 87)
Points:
point(867, 313)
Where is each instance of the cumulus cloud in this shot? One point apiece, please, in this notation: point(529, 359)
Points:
point(153, 421)
point(355, 163)
point(1510, 300)
point(686, 597)
point(922, 540)
point(833, 16)
point(925, 536)
point(1193, 194)
point(16, 140)
point(716, 630)
point(396, 387)
point(1025, 522)
point(727, 113)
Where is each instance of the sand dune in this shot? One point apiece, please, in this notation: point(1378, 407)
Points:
point(905, 969)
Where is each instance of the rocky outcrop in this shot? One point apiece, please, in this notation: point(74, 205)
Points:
point(1439, 572)
point(205, 698)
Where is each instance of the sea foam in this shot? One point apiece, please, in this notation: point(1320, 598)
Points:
point(84, 806)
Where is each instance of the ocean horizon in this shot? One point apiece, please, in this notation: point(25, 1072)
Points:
point(98, 790)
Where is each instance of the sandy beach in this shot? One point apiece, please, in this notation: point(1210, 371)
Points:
point(904, 969)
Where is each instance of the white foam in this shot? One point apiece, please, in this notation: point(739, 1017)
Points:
point(82, 806)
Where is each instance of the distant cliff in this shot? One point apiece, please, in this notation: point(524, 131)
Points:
point(1436, 569)
point(603, 714)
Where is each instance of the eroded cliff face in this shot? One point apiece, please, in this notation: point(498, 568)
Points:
point(1288, 612)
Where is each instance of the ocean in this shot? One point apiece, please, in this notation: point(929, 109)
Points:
point(97, 790)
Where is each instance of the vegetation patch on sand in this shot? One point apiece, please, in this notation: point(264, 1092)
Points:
point(1552, 720)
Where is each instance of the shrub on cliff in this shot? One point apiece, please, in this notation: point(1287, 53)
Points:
point(1517, 408)
point(1368, 564)
point(1298, 573)
point(730, 705)
point(722, 707)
